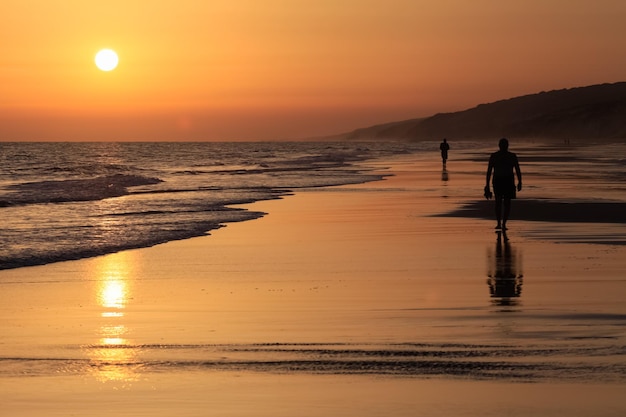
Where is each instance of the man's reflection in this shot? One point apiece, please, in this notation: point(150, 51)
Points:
point(444, 174)
point(505, 273)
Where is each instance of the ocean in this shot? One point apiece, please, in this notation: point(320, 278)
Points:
point(64, 201)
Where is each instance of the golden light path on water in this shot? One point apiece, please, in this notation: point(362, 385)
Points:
point(112, 356)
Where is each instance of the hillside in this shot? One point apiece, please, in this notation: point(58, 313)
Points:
point(597, 112)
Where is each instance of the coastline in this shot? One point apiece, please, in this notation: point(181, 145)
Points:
point(355, 268)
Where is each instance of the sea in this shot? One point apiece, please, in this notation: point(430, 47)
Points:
point(65, 201)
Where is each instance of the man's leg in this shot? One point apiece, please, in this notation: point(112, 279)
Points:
point(507, 211)
point(498, 200)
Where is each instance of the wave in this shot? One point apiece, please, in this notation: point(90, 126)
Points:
point(70, 201)
point(152, 228)
point(61, 191)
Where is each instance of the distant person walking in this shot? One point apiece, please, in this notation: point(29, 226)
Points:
point(502, 164)
point(444, 148)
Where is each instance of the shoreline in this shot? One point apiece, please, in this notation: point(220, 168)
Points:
point(534, 208)
point(278, 315)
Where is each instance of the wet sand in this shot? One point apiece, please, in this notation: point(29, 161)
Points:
point(348, 301)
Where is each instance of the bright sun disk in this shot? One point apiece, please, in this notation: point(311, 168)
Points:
point(106, 59)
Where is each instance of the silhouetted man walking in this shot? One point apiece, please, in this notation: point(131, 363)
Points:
point(502, 164)
point(444, 148)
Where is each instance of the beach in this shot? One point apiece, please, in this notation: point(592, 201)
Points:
point(359, 300)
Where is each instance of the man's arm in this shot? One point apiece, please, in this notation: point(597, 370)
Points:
point(489, 170)
point(488, 193)
point(518, 171)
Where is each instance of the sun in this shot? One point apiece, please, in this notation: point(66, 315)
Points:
point(106, 59)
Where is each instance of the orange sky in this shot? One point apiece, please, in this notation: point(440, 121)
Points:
point(272, 69)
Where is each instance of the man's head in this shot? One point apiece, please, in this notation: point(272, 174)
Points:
point(504, 144)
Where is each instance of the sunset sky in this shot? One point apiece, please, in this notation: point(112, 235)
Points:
point(274, 69)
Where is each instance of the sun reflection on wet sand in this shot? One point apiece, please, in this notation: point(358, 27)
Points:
point(113, 357)
point(113, 293)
